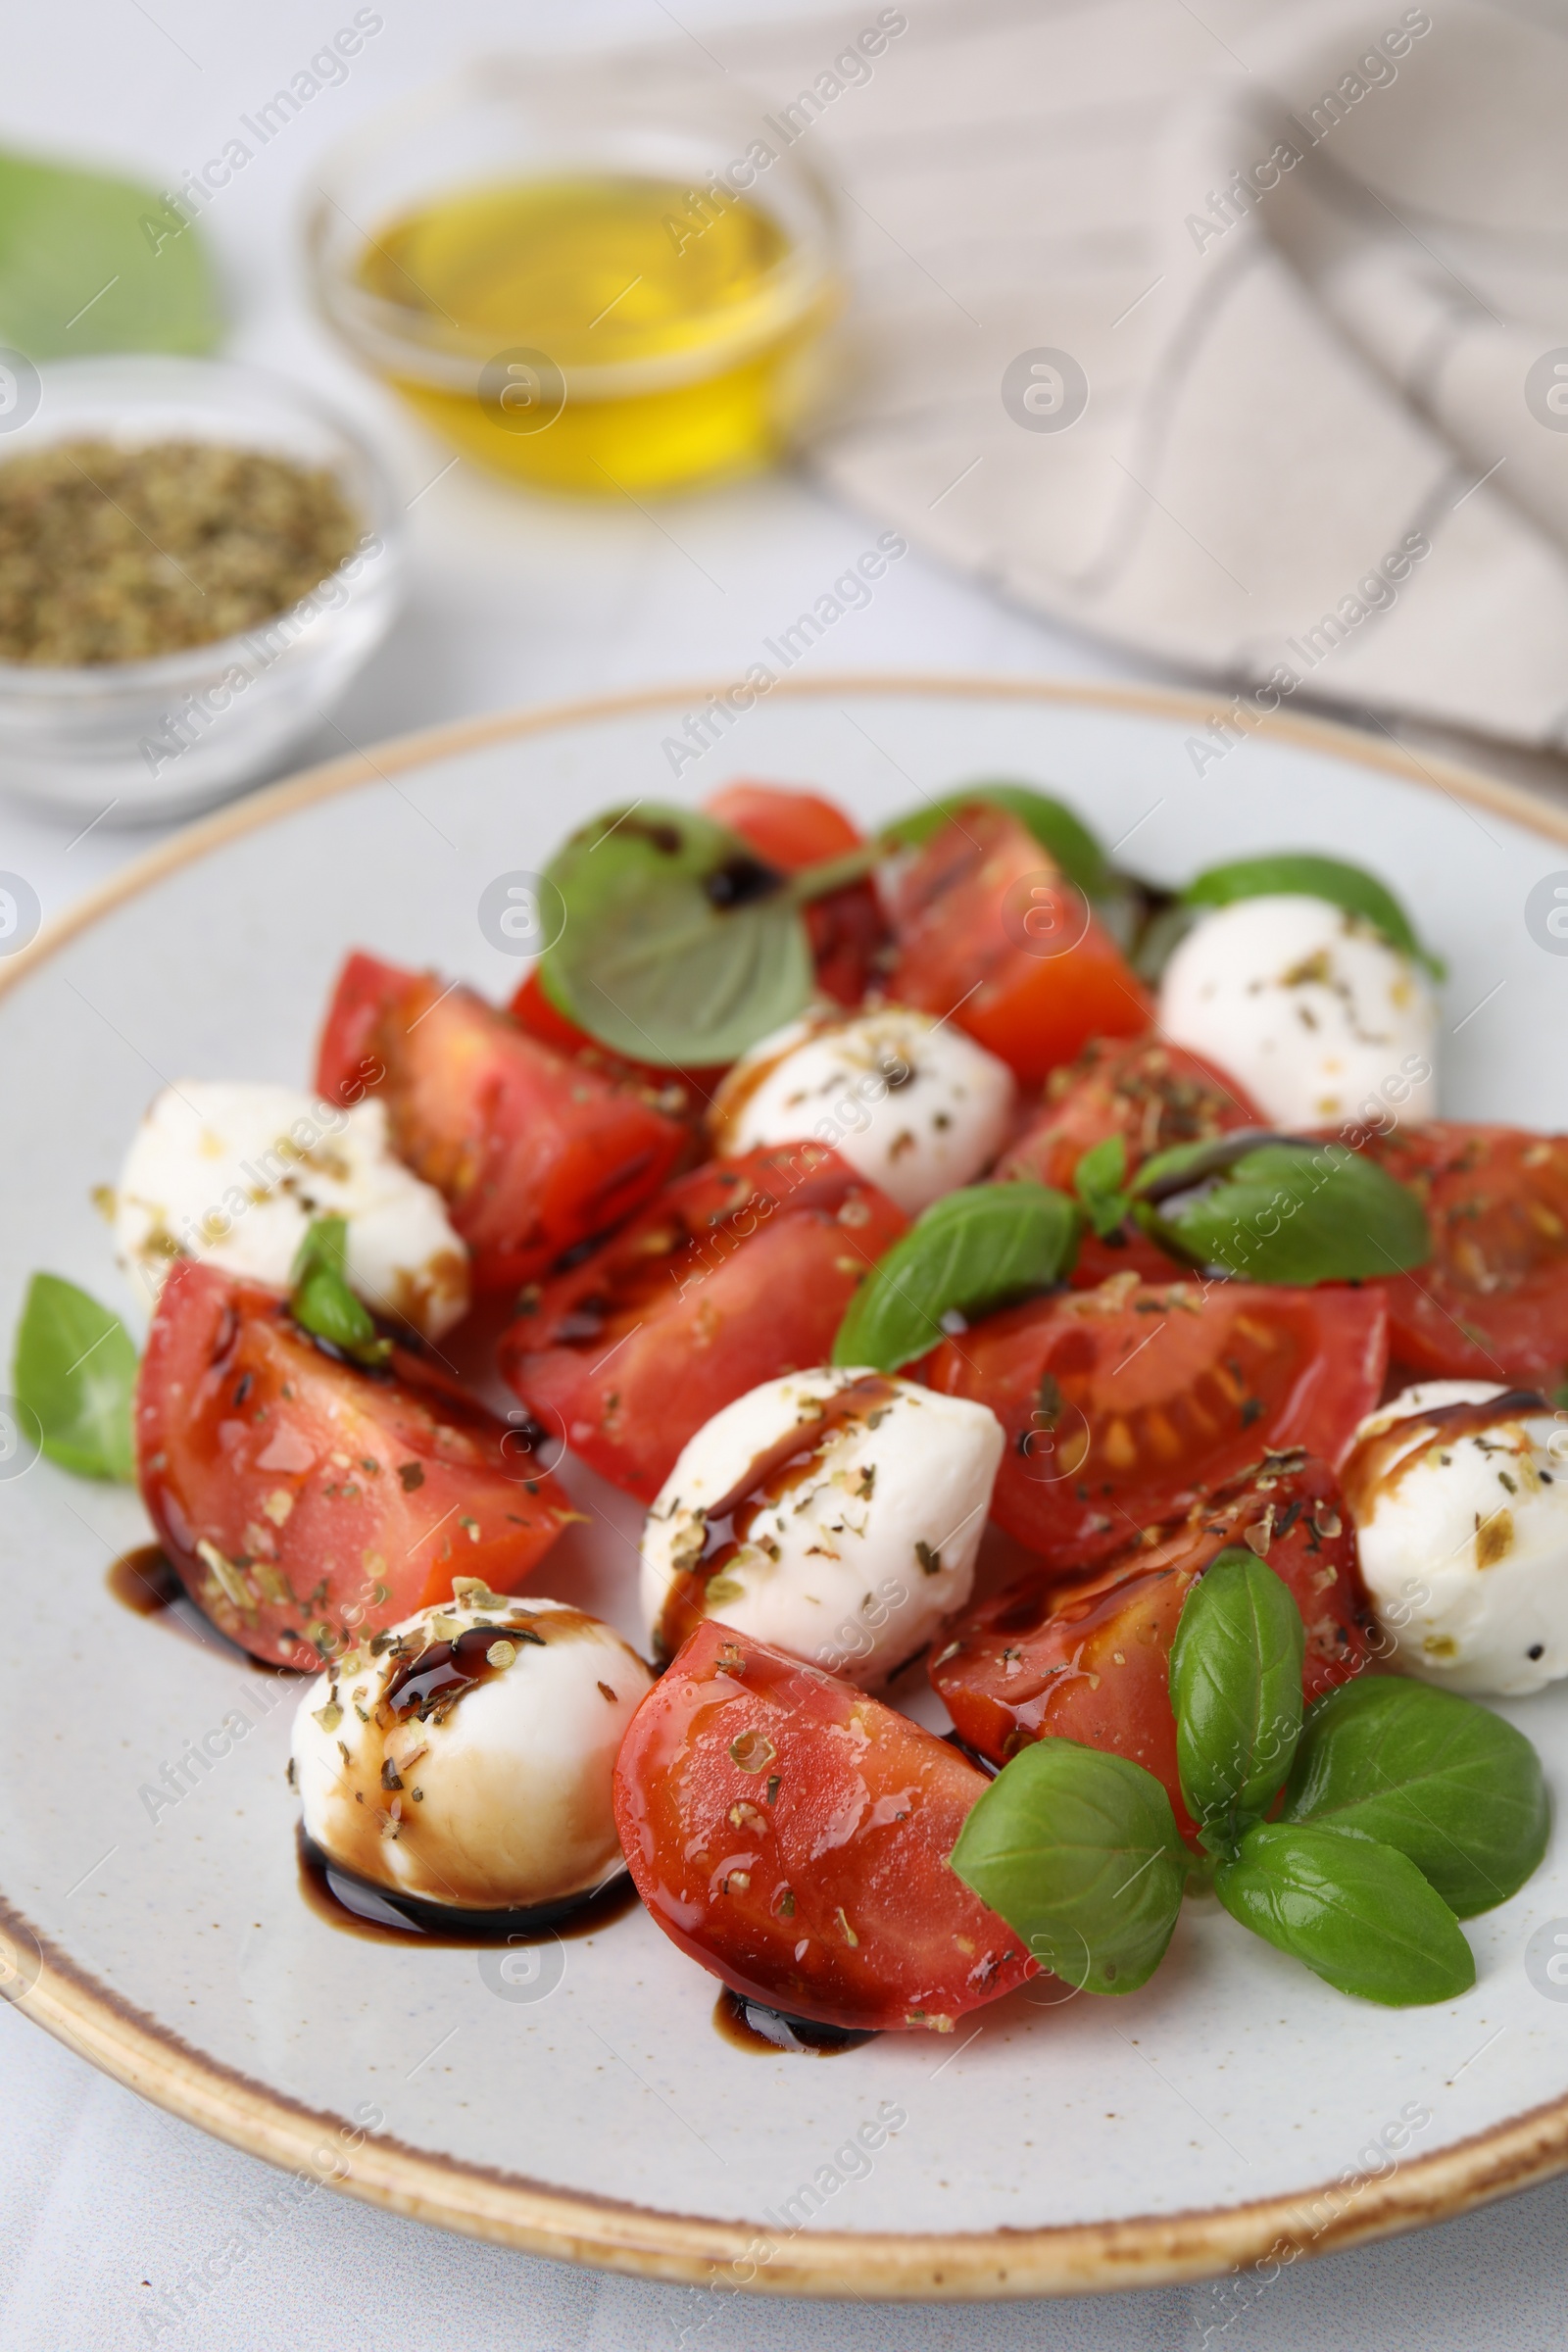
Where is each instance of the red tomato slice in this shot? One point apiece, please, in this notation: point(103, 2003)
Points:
point(1123, 1404)
point(533, 1152)
point(367, 991)
point(737, 1273)
point(681, 1093)
point(848, 937)
point(1127, 1252)
point(987, 930)
point(306, 1504)
point(792, 1836)
point(1153, 1095)
point(1086, 1658)
point(1491, 1304)
point(789, 826)
point(794, 829)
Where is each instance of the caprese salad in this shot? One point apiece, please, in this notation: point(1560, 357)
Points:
point(838, 1198)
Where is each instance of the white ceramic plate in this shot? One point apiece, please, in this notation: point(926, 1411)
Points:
point(592, 2112)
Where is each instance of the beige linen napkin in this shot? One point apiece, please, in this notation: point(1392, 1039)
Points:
point(1240, 339)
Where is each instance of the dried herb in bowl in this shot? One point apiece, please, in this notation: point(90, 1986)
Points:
point(123, 553)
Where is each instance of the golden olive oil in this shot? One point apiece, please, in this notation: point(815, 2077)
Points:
point(643, 334)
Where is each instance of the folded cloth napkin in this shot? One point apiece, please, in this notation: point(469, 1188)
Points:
point(1239, 338)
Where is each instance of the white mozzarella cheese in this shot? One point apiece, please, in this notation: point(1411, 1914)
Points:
point(914, 1106)
point(494, 1799)
point(234, 1172)
point(1463, 1538)
point(842, 1509)
point(1310, 1008)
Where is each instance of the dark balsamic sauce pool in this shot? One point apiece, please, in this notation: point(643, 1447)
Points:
point(750, 2026)
point(352, 1904)
point(143, 1581)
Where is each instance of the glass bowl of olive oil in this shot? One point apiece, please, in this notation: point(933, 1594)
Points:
point(600, 277)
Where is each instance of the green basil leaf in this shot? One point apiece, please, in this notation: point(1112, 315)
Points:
point(1236, 1688)
point(1445, 1781)
point(1303, 874)
point(1055, 827)
point(322, 1302)
point(679, 945)
point(325, 1248)
point(1097, 1181)
point(1279, 1209)
point(1078, 1851)
point(75, 1372)
point(1358, 1914)
point(971, 1250)
point(89, 263)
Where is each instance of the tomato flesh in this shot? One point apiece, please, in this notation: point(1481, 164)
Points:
point(681, 1093)
point(792, 1836)
point(793, 829)
point(786, 824)
point(305, 1502)
point(969, 910)
point(737, 1273)
point(1153, 1095)
point(1491, 1304)
point(1087, 1657)
point(533, 1152)
point(1122, 1405)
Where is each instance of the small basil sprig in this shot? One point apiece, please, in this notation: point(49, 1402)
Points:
point(1236, 1688)
point(679, 945)
point(1357, 1913)
point(1303, 874)
point(1448, 1784)
point(320, 1301)
point(1078, 1851)
point(1280, 1208)
point(1060, 832)
point(970, 1252)
point(75, 1377)
point(1353, 1908)
point(1402, 1804)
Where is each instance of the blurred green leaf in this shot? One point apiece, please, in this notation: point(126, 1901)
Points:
point(74, 1371)
point(92, 263)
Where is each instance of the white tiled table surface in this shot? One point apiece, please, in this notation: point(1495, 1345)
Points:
point(514, 601)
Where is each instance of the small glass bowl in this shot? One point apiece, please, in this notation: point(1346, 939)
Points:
point(142, 740)
point(723, 394)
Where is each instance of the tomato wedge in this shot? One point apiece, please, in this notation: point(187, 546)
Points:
point(987, 930)
point(680, 1094)
point(533, 1152)
point(1086, 1658)
point(735, 1274)
point(788, 825)
point(1491, 1302)
point(305, 1502)
point(1153, 1095)
point(792, 1836)
point(793, 829)
point(1122, 1405)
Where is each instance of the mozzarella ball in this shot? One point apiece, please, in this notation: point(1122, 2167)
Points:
point(235, 1173)
point(913, 1105)
point(1464, 1536)
point(1309, 1007)
point(835, 1514)
point(465, 1757)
